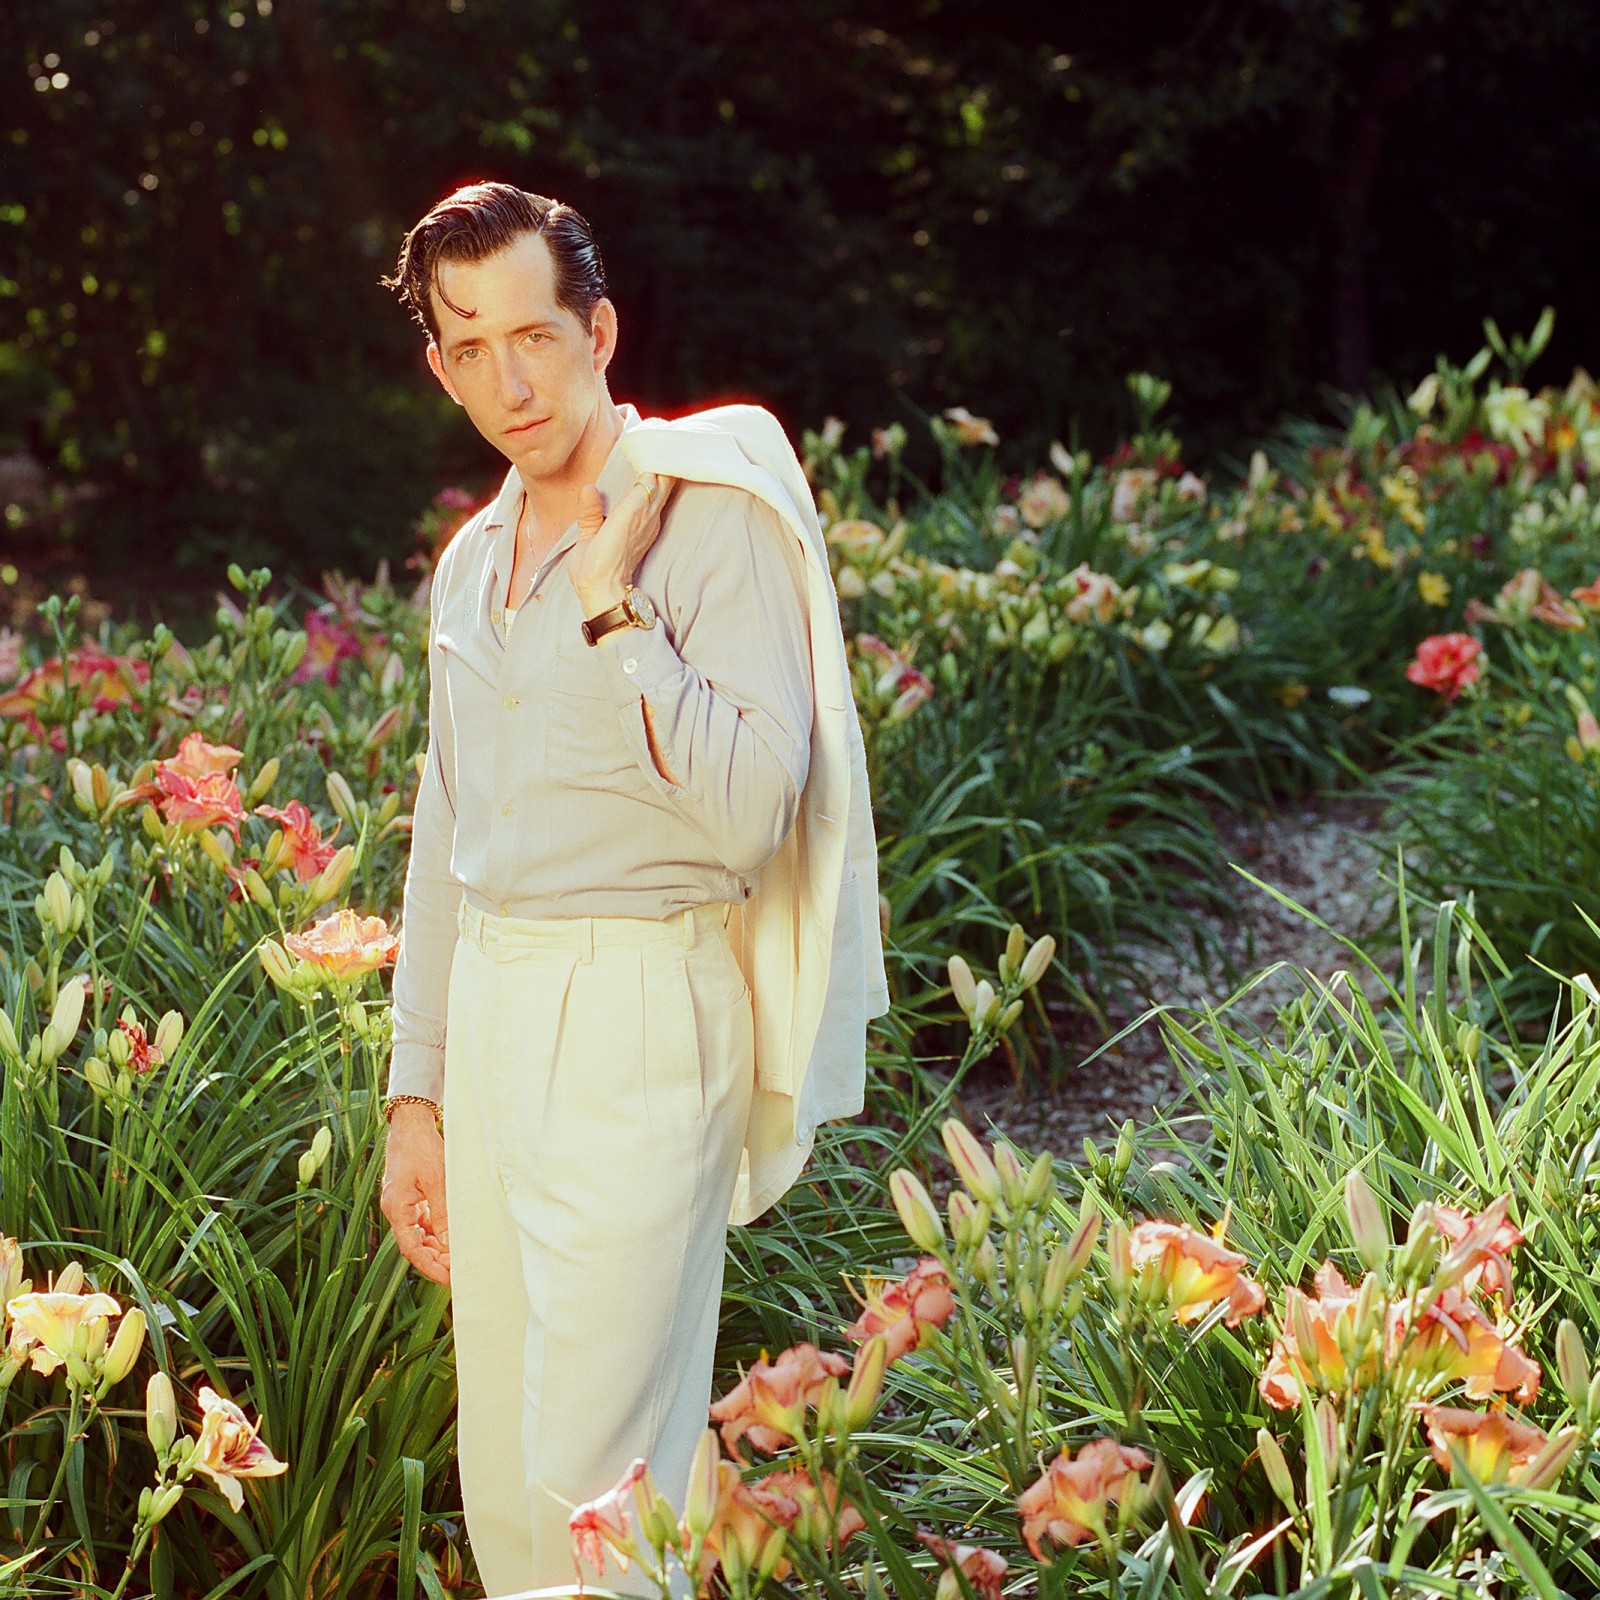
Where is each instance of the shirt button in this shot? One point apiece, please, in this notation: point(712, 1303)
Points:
point(630, 665)
point(496, 617)
point(505, 911)
point(511, 702)
point(507, 809)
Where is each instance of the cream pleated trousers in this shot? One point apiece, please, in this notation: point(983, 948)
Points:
point(598, 1073)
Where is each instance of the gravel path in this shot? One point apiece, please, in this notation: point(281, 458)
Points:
point(1330, 859)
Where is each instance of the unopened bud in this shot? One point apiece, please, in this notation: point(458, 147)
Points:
point(169, 1034)
point(9, 1048)
point(256, 887)
point(150, 821)
point(984, 1004)
point(1040, 1186)
point(383, 729)
point(334, 876)
point(1330, 1436)
point(918, 1214)
point(1277, 1469)
point(963, 987)
point(1123, 1158)
point(1572, 1363)
point(1016, 948)
point(82, 785)
point(1037, 961)
point(972, 1162)
point(98, 1075)
point(165, 1499)
point(1368, 1228)
point(866, 1382)
point(58, 901)
point(1119, 1259)
point(1013, 1180)
point(986, 1264)
point(264, 780)
point(1468, 1037)
point(341, 797)
point(70, 1279)
point(276, 964)
point(219, 857)
point(1081, 1245)
point(1006, 1017)
point(306, 1169)
point(1551, 1461)
point(1027, 1302)
point(705, 1478)
point(125, 1347)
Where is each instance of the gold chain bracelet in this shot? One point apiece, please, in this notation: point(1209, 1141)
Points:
point(395, 1100)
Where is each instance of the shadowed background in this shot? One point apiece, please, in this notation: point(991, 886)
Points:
point(858, 209)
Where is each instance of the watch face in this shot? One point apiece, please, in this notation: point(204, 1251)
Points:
point(643, 609)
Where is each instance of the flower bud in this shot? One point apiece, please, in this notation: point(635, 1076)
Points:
point(1119, 1260)
point(1081, 1245)
point(866, 1382)
point(771, 1555)
point(119, 1047)
point(1056, 1279)
point(164, 1500)
point(382, 730)
point(82, 785)
point(394, 672)
point(146, 1501)
point(9, 1048)
point(1572, 1363)
point(334, 876)
point(963, 1208)
point(704, 1481)
point(971, 1161)
point(219, 855)
point(58, 902)
point(355, 1013)
point(963, 987)
point(1123, 1158)
point(69, 1280)
point(1468, 1038)
point(169, 1034)
point(276, 964)
point(150, 821)
point(1552, 1459)
point(984, 1004)
point(1006, 1017)
point(1330, 1437)
point(1027, 1302)
point(1368, 1227)
point(986, 1264)
point(1016, 947)
point(1040, 1186)
point(68, 1011)
point(1419, 1255)
point(1277, 1469)
point(341, 797)
point(306, 1169)
point(124, 1084)
point(125, 1347)
point(264, 780)
point(1037, 961)
point(918, 1214)
point(321, 1144)
point(256, 887)
point(1013, 1180)
point(1592, 1401)
point(78, 1373)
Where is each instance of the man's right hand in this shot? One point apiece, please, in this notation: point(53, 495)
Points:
point(413, 1191)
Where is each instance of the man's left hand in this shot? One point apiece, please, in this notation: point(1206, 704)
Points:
point(610, 548)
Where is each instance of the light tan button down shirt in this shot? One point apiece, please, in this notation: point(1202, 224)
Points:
point(539, 797)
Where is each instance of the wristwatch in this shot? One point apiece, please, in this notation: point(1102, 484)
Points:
point(635, 611)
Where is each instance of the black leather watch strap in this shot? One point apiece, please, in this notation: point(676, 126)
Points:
point(596, 628)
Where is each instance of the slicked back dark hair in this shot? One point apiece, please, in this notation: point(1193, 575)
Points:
point(483, 219)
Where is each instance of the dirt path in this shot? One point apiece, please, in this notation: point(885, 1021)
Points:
point(1331, 860)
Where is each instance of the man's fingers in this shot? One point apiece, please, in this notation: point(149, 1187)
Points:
point(591, 511)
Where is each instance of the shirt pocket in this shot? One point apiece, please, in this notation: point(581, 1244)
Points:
point(588, 747)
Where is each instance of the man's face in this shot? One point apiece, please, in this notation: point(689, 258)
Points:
point(522, 367)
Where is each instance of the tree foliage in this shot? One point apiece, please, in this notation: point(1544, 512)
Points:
point(832, 207)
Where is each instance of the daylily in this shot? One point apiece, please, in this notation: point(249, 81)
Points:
point(143, 1056)
point(304, 848)
point(607, 1520)
point(194, 804)
point(826, 1520)
point(983, 1569)
point(1493, 1443)
point(905, 1312)
point(1479, 1245)
point(56, 1325)
point(1446, 663)
point(1068, 1504)
point(1097, 595)
point(1192, 1271)
point(1043, 500)
point(229, 1448)
point(970, 429)
point(327, 644)
point(345, 946)
point(106, 680)
point(196, 759)
point(12, 1282)
point(1130, 489)
point(748, 1526)
point(768, 1403)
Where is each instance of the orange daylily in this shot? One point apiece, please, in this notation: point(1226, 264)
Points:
point(1479, 1245)
point(196, 803)
point(1493, 1443)
point(196, 759)
point(229, 1447)
point(826, 1519)
point(304, 848)
point(769, 1401)
point(345, 946)
point(108, 680)
point(905, 1312)
point(983, 1569)
point(1193, 1271)
point(1068, 1504)
point(747, 1518)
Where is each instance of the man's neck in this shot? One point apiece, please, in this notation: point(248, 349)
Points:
point(552, 502)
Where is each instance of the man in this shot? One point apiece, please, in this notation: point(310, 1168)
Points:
point(636, 959)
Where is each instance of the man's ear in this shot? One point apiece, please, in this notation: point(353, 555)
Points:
point(603, 335)
point(436, 364)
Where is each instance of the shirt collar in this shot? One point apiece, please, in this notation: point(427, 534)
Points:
point(614, 480)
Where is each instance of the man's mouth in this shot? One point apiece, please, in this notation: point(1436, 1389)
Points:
point(528, 427)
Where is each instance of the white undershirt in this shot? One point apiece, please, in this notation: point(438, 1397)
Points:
point(510, 615)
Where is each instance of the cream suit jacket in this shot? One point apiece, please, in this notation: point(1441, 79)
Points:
point(808, 937)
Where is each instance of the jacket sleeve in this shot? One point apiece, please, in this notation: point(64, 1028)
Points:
point(432, 904)
point(726, 672)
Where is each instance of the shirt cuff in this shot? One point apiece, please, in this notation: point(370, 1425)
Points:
point(417, 1069)
point(638, 660)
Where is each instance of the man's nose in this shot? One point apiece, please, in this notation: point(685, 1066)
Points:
point(515, 389)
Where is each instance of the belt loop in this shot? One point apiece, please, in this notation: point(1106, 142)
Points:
point(688, 928)
point(586, 945)
point(483, 929)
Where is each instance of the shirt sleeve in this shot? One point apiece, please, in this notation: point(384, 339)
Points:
point(432, 904)
point(730, 692)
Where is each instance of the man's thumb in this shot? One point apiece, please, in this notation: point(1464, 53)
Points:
point(591, 511)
